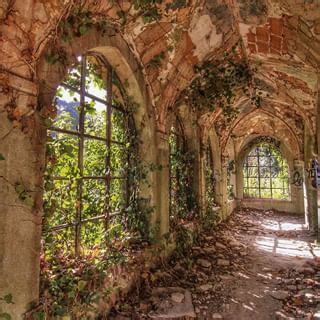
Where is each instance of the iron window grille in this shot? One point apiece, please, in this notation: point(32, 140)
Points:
point(266, 173)
point(176, 148)
point(92, 185)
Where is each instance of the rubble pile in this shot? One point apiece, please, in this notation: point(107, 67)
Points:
point(203, 284)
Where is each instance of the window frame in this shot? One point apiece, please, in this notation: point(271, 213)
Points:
point(79, 133)
point(254, 153)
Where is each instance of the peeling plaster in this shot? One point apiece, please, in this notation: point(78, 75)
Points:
point(204, 36)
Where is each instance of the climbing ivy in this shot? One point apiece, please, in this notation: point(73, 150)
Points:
point(217, 83)
point(183, 203)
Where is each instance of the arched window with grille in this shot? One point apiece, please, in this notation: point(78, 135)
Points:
point(88, 158)
point(266, 173)
point(177, 148)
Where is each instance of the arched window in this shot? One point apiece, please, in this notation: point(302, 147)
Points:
point(177, 148)
point(266, 173)
point(88, 158)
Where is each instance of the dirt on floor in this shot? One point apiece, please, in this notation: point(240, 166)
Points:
point(258, 265)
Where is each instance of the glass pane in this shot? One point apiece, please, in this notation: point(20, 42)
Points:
point(93, 196)
point(252, 161)
point(67, 103)
point(253, 183)
point(264, 172)
point(74, 76)
point(94, 161)
point(95, 118)
point(119, 160)
point(92, 236)
point(119, 130)
point(95, 75)
point(62, 155)
point(61, 240)
point(264, 183)
point(253, 193)
point(252, 172)
point(117, 194)
point(60, 200)
point(265, 193)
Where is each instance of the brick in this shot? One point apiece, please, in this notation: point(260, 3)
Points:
point(275, 42)
point(262, 34)
point(263, 47)
point(154, 50)
point(155, 32)
point(251, 37)
point(276, 25)
point(273, 51)
point(252, 47)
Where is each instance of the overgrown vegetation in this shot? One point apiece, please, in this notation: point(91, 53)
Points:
point(74, 282)
point(210, 216)
point(183, 204)
point(217, 83)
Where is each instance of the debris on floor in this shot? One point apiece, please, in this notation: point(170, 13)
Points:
point(257, 265)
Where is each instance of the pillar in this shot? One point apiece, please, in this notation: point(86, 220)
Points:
point(22, 153)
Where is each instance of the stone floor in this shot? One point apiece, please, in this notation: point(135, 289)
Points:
point(257, 265)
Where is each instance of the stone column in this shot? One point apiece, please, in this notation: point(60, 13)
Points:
point(162, 179)
point(309, 143)
point(22, 154)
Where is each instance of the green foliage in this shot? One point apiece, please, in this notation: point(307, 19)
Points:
point(2, 157)
point(209, 218)
point(155, 62)
point(8, 298)
point(176, 4)
point(148, 10)
point(70, 283)
point(183, 204)
point(217, 83)
point(24, 194)
point(55, 55)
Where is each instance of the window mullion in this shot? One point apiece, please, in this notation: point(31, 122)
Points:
point(80, 156)
point(108, 142)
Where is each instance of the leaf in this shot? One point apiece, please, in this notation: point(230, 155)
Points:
point(83, 29)
point(8, 298)
point(48, 122)
point(82, 284)
point(39, 316)
point(19, 188)
point(5, 316)
point(2, 157)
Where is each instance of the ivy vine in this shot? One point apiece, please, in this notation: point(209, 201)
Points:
point(217, 83)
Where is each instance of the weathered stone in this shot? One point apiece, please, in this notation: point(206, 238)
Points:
point(223, 263)
point(205, 287)
point(280, 295)
point(204, 263)
point(177, 297)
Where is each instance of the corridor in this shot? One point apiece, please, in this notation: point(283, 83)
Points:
point(259, 265)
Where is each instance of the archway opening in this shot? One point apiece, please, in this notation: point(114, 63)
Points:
point(266, 173)
point(89, 156)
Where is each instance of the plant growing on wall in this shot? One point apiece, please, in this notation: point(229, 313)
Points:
point(183, 204)
point(73, 283)
point(217, 83)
